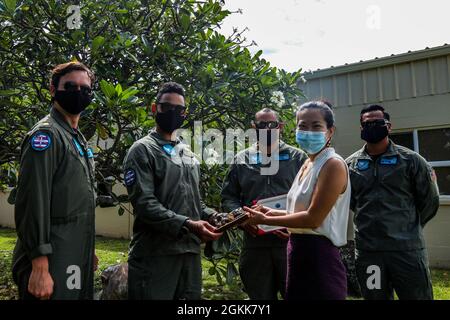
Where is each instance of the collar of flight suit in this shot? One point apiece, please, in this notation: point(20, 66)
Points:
point(391, 151)
point(160, 140)
point(61, 121)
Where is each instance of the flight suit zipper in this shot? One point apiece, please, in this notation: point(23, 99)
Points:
point(88, 164)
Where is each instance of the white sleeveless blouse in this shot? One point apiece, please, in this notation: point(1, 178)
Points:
point(334, 227)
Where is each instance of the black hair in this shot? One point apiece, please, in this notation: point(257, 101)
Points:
point(170, 87)
point(374, 107)
point(325, 108)
point(267, 110)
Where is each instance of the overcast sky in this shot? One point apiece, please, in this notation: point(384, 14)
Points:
point(312, 34)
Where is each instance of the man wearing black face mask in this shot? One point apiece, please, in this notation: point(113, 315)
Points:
point(394, 195)
point(262, 264)
point(54, 209)
point(162, 178)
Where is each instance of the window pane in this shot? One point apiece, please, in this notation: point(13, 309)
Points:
point(404, 139)
point(443, 179)
point(434, 145)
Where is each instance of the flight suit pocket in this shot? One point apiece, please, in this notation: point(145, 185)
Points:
point(81, 162)
point(359, 180)
point(393, 175)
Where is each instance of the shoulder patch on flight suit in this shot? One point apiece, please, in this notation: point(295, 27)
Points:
point(389, 160)
point(363, 164)
point(40, 141)
point(169, 149)
point(129, 177)
point(433, 175)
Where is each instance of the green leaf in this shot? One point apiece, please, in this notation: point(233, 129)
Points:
point(9, 92)
point(219, 278)
point(130, 92)
point(118, 89)
point(185, 22)
point(10, 5)
point(107, 89)
point(97, 42)
point(212, 271)
point(101, 131)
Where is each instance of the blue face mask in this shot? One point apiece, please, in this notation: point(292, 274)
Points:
point(311, 141)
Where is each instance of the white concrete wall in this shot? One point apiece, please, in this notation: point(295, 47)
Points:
point(108, 223)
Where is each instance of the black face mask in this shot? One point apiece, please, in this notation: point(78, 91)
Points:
point(74, 102)
point(374, 134)
point(169, 121)
point(268, 137)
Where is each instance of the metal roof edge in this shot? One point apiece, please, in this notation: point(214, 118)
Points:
point(379, 62)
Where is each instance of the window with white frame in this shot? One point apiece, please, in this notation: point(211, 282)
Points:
point(433, 145)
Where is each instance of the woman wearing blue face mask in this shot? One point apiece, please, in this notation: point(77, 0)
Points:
point(317, 211)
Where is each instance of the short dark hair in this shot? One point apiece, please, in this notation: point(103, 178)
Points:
point(169, 87)
point(325, 108)
point(62, 69)
point(374, 107)
point(268, 110)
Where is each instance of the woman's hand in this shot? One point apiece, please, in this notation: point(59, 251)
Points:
point(269, 211)
point(256, 216)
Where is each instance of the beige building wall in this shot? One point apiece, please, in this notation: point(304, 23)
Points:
point(415, 90)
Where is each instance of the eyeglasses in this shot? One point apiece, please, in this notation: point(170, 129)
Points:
point(167, 106)
point(266, 124)
point(72, 87)
point(375, 123)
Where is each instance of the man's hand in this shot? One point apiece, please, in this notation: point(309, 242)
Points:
point(40, 283)
point(95, 262)
point(203, 230)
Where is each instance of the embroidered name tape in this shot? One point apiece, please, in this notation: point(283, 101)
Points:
point(78, 147)
point(390, 161)
point(169, 149)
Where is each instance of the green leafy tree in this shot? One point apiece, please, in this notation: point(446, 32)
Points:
point(132, 46)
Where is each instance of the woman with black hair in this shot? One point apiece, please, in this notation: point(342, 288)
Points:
point(317, 211)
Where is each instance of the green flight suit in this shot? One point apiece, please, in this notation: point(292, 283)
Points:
point(262, 264)
point(393, 197)
point(162, 178)
point(55, 208)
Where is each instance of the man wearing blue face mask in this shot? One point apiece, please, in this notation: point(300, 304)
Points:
point(316, 212)
point(394, 195)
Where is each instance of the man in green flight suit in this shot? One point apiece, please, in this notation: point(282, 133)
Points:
point(162, 178)
point(55, 203)
point(394, 195)
point(262, 264)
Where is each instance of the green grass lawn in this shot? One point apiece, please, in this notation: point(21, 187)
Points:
point(114, 251)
